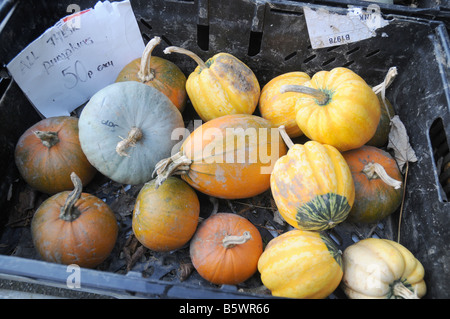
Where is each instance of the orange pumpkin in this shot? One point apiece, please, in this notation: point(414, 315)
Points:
point(165, 218)
point(228, 157)
point(74, 228)
point(226, 248)
point(378, 184)
point(279, 108)
point(159, 73)
point(49, 151)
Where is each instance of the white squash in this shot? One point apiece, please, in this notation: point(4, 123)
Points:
point(381, 268)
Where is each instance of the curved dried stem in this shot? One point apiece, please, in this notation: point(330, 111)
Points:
point(285, 136)
point(133, 137)
point(191, 54)
point(401, 290)
point(68, 211)
point(381, 88)
point(230, 241)
point(177, 164)
point(375, 170)
point(145, 72)
point(321, 97)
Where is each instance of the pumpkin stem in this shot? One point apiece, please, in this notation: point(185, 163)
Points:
point(381, 88)
point(68, 211)
point(230, 241)
point(321, 97)
point(285, 136)
point(145, 72)
point(134, 135)
point(375, 170)
point(401, 290)
point(47, 138)
point(191, 54)
point(177, 164)
point(390, 76)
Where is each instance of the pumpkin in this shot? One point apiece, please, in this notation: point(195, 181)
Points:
point(312, 186)
point(337, 108)
point(165, 218)
point(279, 108)
point(49, 151)
point(225, 249)
point(220, 86)
point(381, 136)
point(157, 72)
point(382, 268)
point(228, 157)
point(301, 264)
point(378, 184)
point(126, 128)
point(74, 228)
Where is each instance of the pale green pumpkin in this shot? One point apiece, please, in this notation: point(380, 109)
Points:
point(126, 128)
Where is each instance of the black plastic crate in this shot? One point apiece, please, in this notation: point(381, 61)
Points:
point(271, 38)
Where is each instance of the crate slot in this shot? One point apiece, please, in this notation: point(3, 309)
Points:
point(286, 12)
point(355, 49)
point(254, 46)
point(335, 237)
point(347, 64)
point(203, 37)
point(146, 25)
point(372, 53)
point(290, 56)
point(328, 61)
point(355, 237)
point(309, 59)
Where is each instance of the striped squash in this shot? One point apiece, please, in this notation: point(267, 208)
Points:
point(301, 264)
point(221, 85)
point(337, 108)
point(312, 186)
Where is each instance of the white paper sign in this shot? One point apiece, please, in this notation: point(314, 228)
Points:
point(80, 55)
point(328, 29)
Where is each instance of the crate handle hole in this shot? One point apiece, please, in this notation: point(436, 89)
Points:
point(441, 156)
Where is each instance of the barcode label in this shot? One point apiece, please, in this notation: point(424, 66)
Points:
point(328, 29)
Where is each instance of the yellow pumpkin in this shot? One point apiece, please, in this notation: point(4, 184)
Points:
point(222, 85)
point(337, 108)
point(312, 186)
point(382, 268)
point(279, 108)
point(301, 264)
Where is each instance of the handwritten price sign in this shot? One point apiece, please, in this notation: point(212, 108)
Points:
point(80, 55)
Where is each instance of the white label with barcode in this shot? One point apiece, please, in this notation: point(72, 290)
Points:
point(328, 29)
point(78, 56)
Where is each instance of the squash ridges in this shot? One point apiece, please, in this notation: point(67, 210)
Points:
point(323, 212)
